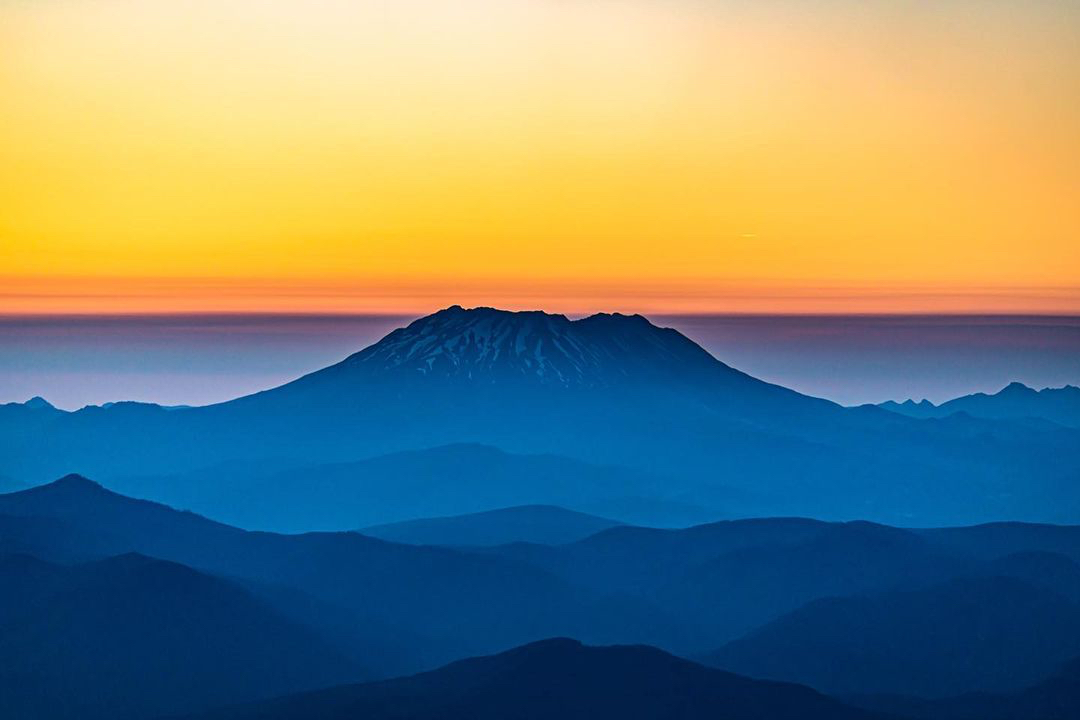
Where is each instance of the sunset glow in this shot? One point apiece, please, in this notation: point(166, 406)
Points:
point(682, 156)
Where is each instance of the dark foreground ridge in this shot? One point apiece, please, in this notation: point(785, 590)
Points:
point(560, 678)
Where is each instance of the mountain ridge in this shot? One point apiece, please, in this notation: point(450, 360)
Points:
point(606, 390)
point(559, 677)
point(540, 524)
point(550, 347)
point(1015, 401)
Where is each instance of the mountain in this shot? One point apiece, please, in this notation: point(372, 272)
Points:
point(1056, 698)
point(1016, 401)
point(608, 390)
point(448, 480)
point(739, 590)
point(542, 524)
point(1050, 571)
point(973, 634)
point(993, 540)
point(729, 577)
point(492, 346)
point(394, 609)
point(134, 637)
point(921, 409)
point(559, 678)
point(398, 608)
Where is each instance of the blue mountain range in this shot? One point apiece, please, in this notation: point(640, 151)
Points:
point(623, 403)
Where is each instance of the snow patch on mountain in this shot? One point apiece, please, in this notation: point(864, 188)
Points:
point(500, 345)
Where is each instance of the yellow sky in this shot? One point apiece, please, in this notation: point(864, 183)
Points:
point(690, 155)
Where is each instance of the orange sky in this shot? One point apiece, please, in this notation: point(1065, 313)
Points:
point(842, 156)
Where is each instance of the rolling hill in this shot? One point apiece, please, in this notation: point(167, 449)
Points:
point(400, 607)
point(135, 637)
point(965, 635)
point(540, 524)
point(559, 678)
point(433, 482)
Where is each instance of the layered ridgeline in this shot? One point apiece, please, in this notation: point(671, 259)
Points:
point(1015, 401)
point(122, 609)
point(559, 678)
point(608, 415)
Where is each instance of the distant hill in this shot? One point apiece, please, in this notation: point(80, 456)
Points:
point(994, 540)
point(401, 607)
point(607, 390)
point(729, 577)
point(969, 634)
point(395, 608)
point(434, 482)
point(559, 679)
point(134, 637)
point(1056, 698)
point(739, 590)
point(543, 524)
point(1016, 401)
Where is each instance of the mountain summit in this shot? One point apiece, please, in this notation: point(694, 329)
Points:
point(489, 345)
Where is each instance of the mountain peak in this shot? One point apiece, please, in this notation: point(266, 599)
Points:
point(75, 480)
point(491, 345)
point(1016, 388)
point(38, 402)
point(71, 483)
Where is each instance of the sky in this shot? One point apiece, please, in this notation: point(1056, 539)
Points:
point(679, 157)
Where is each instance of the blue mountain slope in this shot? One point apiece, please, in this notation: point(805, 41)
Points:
point(608, 390)
point(1055, 698)
point(542, 524)
point(559, 678)
point(969, 634)
point(403, 607)
point(134, 637)
point(449, 480)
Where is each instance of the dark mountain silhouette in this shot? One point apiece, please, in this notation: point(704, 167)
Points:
point(1043, 569)
point(730, 577)
point(542, 524)
point(990, 633)
point(608, 390)
point(559, 679)
point(685, 590)
point(1056, 698)
point(450, 480)
point(742, 589)
point(134, 637)
point(993, 540)
point(1016, 401)
point(400, 607)
point(733, 576)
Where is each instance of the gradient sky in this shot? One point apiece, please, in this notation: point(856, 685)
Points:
point(576, 155)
